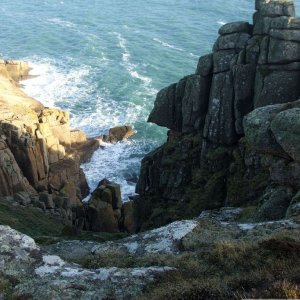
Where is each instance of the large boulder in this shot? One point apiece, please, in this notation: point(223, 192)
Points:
point(235, 41)
point(275, 8)
point(244, 76)
point(286, 129)
point(101, 216)
point(205, 65)
point(274, 204)
point(234, 27)
point(194, 103)
point(220, 124)
point(104, 207)
point(164, 107)
point(128, 216)
point(118, 134)
point(284, 51)
point(257, 127)
point(183, 106)
point(278, 84)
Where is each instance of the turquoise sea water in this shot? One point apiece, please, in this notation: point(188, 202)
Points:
point(105, 60)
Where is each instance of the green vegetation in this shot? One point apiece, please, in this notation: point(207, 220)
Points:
point(46, 229)
point(5, 285)
point(247, 214)
point(99, 237)
point(29, 221)
point(242, 188)
point(264, 268)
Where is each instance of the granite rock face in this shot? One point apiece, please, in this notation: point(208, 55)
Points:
point(105, 210)
point(40, 158)
point(207, 162)
point(29, 272)
point(40, 153)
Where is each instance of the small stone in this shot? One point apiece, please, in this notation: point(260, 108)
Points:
point(23, 198)
point(47, 199)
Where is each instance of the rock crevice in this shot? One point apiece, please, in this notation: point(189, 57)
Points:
point(39, 153)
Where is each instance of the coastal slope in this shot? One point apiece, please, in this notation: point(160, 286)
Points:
point(40, 155)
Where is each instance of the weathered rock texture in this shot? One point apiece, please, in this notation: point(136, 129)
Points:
point(40, 157)
point(118, 134)
point(27, 272)
point(207, 163)
point(105, 210)
point(39, 153)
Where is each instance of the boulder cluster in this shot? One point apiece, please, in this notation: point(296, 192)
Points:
point(215, 156)
point(106, 211)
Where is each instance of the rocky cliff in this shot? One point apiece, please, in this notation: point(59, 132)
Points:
point(214, 156)
point(40, 158)
point(40, 154)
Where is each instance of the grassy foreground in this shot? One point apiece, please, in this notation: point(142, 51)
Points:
point(267, 267)
point(44, 228)
point(29, 221)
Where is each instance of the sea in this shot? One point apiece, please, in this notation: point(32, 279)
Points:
point(105, 60)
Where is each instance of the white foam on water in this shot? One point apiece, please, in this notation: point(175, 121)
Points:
point(106, 113)
point(52, 84)
point(93, 110)
point(193, 55)
point(131, 68)
point(221, 23)
point(167, 45)
point(62, 23)
point(112, 162)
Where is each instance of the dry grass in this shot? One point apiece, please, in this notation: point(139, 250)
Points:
point(264, 268)
point(263, 264)
point(269, 268)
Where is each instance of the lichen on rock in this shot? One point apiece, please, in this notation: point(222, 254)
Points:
point(243, 99)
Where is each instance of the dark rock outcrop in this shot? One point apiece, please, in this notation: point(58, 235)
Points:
point(105, 210)
point(206, 162)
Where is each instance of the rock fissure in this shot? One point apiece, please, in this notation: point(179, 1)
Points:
point(40, 156)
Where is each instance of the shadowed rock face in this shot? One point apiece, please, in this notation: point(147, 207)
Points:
point(11, 177)
point(105, 210)
point(39, 152)
point(41, 156)
point(251, 66)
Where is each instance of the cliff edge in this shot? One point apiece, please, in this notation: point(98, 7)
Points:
point(40, 154)
point(214, 156)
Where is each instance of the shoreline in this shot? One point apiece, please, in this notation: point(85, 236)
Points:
point(101, 166)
